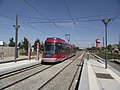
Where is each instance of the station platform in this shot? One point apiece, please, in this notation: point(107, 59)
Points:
point(12, 58)
point(15, 65)
point(95, 77)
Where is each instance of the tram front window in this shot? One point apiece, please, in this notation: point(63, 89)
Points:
point(49, 47)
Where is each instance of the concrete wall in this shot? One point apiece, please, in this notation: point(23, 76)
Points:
point(8, 51)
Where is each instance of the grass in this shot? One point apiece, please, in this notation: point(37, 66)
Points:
point(109, 55)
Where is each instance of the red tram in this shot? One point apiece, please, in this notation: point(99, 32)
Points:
point(56, 49)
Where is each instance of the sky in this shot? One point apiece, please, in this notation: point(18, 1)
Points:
point(81, 19)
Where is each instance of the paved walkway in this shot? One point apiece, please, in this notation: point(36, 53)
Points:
point(95, 77)
point(12, 58)
point(11, 66)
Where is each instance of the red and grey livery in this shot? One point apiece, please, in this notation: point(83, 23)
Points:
point(56, 50)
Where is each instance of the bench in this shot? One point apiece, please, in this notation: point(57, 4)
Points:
point(1, 55)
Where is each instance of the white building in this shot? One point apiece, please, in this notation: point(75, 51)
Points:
point(2, 43)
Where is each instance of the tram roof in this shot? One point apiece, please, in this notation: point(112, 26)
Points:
point(55, 39)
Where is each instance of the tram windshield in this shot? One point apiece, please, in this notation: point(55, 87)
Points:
point(49, 47)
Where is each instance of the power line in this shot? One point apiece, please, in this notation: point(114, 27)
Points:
point(21, 22)
point(43, 15)
point(7, 17)
point(31, 17)
point(98, 15)
point(76, 21)
point(110, 22)
point(79, 18)
point(71, 16)
point(115, 17)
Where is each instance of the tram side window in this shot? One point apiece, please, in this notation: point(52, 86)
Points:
point(63, 48)
point(68, 50)
point(71, 50)
point(58, 48)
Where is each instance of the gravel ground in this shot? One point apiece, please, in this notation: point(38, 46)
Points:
point(61, 82)
point(64, 79)
point(34, 82)
point(6, 81)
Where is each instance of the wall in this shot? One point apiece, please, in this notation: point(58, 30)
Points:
point(8, 51)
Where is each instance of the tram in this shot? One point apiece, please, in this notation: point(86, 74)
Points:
point(56, 50)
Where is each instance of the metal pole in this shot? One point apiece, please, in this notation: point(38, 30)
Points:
point(106, 21)
point(38, 51)
point(106, 46)
point(68, 37)
point(16, 37)
point(29, 51)
point(103, 43)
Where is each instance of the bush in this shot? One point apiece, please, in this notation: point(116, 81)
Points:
point(109, 55)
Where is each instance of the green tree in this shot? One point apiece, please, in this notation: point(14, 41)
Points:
point(12, 43)
point(109, 47)
point(24, 44)
point(19, 44)
point(42, 46)
point(35, 44)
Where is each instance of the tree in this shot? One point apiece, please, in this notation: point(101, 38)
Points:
point(24, 44)
point(35, 44)
point(12, 43)
point(19, 44)
point(42, 46)
point(109, 47)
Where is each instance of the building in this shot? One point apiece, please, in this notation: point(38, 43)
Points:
point(97, 43)
point(3, 44)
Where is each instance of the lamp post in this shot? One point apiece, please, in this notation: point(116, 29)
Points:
point(68, 37)
point(106, 21)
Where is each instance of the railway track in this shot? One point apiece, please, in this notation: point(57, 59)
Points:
point(57, 75)
point(17, 76)
point(39, 76)
point(61, 74)
point(11, 73)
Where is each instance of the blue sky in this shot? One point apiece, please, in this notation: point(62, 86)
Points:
point(84, 26)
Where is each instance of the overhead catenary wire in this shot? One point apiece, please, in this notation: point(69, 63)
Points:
point(115, 17)
point(7, 17)
point(43, 15)
point(26, 24)
point(79, 19)
point(76, 21)
point(112, 19)
point(71, 16)
point(23, 16)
